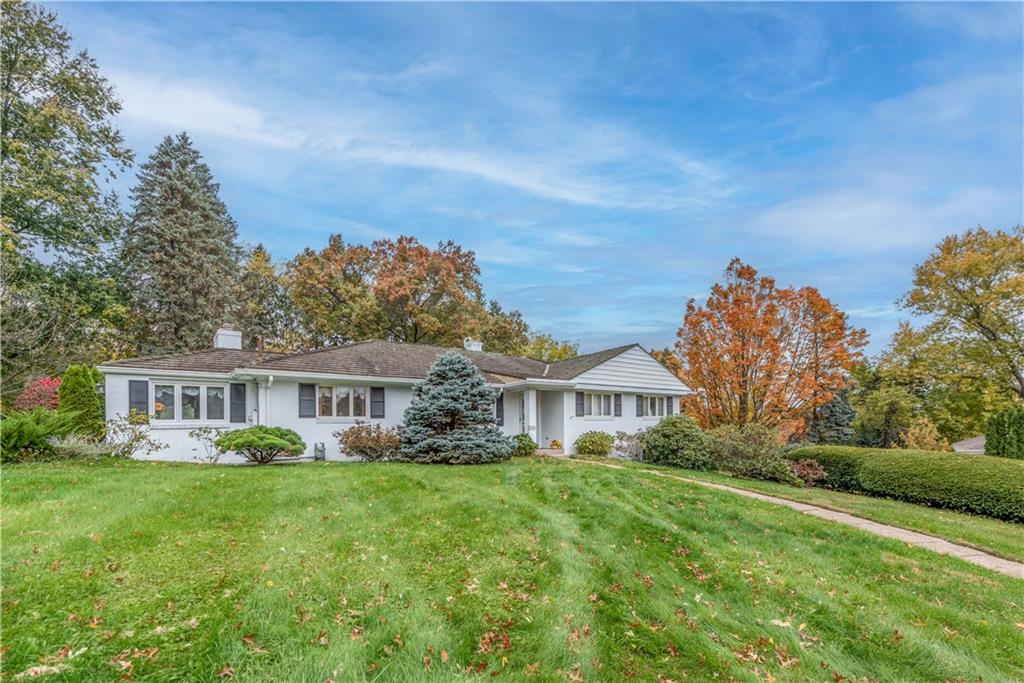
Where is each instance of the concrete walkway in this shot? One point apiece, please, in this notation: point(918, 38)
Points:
point(966, 553)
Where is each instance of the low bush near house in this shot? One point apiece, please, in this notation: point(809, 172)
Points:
point(372, 443)
point(523, 446)
point(980, 484)
point(129, 434)
point(807, 471)
point(25, 435)
point(261, 444)
point(594, 443)
point(629, 446)
point(207, 438)
point(752, 450)
point(677, 440)
point(78, 447)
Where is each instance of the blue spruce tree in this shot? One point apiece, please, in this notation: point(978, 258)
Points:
point(832, 423)
point(451, 417)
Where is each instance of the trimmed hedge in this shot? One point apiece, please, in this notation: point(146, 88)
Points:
point(594, 443)
point(972, 483)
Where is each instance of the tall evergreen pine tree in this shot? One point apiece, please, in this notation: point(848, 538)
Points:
point(180, 260)
point(262, 307)
point(451, 417)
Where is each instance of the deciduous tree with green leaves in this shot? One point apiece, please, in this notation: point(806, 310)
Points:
point(58, 138)
point(972, 289)
point(548, 349)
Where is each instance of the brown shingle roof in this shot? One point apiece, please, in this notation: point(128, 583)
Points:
point(208, 360)
point(374, 359)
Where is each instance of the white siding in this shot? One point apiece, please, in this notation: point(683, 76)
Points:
point(628, 422)
point(284, 412)
point(633, 369)
point(178, 446)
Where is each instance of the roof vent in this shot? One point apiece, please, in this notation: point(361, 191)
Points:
point(226, 338)
point(471, 344)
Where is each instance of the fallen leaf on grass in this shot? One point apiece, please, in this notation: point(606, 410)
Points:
point(226, 671)
point(356, 633)
point(322, 638)
point(250, 640)
point(37, 671)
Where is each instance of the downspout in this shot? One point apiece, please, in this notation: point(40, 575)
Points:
point(270, 383)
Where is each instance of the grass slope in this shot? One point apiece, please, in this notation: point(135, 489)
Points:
point(532, 570)
point(1005, 539)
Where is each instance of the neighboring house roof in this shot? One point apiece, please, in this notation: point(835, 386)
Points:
point(207, 360)
point(975, 444)
point(375, 358)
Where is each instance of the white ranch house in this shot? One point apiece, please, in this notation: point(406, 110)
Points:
point(317, 393)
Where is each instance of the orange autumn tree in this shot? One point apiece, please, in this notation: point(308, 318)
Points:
point(758, 353)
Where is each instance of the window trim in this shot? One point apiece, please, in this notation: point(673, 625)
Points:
point(660, 406)
point(351, 417)
point(605, 400)
point(178, 420)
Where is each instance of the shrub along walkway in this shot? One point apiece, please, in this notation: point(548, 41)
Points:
point(968, 554)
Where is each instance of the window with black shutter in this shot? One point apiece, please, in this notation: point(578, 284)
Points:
point(138, 396)
point(499, 410)
point(377, 402)
point(670, 405)
point(639, 405)
point(579, 404)
point(307, 400)
point(237, 402)
point(618, 405)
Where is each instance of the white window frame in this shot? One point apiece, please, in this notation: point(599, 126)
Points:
point(660, 406)
point(604, 400)
point(177, 384)
point(351, 417)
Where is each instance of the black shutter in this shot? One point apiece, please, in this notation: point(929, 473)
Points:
point(639, 405)
point(307, 400)
point(668, 405)
point(579, 404)
point(499, 410)
point(237, 402)
point(618, 405)
point(377, 402)
point(138, 396)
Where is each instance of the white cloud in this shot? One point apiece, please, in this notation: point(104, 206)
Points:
point(983, 21)
point(175, 105)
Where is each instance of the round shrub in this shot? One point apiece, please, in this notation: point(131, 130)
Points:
point(594, 443)
point(752, 450)
point(260, 444)
point(373, 443)
point(677, 440)
point(523, 445)
point(842, 464)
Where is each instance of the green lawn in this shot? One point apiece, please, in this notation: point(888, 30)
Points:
point(994, 536)
point(535, 569)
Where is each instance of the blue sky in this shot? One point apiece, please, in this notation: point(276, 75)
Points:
point(604, 161)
